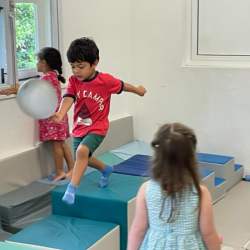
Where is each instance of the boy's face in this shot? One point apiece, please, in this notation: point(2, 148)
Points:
point(82, 70)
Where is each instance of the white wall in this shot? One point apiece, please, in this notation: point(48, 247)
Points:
point(213, 101)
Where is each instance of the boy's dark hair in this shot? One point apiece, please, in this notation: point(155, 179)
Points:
point(53, 58)
point(83, 49)
point(174, 165)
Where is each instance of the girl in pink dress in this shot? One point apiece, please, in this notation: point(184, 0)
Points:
point(50, 64)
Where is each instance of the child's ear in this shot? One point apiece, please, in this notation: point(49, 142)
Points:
point(95, 63)
point(43, 62)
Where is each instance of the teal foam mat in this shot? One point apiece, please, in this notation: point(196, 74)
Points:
point(10, 246)
point(101, 204)
point(110, 159)
point(62, 232)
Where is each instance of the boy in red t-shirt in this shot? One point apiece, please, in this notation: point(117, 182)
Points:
point(91, 91)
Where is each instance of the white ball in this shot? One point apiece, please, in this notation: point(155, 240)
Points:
point(37, 98)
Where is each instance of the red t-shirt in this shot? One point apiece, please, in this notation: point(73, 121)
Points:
point(92, 102)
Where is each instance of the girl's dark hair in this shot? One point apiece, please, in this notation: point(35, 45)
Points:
point(53, 58)
point(83, 50)
point(174, 164)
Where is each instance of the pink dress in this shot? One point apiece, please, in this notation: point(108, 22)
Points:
point(49, 130)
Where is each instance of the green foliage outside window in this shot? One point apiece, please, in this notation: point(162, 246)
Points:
point(25, 35)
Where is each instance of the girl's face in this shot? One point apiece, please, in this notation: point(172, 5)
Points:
point(82, 70)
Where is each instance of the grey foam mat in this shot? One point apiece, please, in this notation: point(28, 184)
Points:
point(3, 235)
point(24, 201)
point(28, 220)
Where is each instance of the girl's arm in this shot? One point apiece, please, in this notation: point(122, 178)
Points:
point(207, 228)
point(8, 91)
point(64, 108)
point(140, 223)
point(140, 90)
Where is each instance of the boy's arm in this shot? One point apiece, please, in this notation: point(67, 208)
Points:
point(8, 91)
point(64, 108)
point(207, 229)
point(140, 90)
point(140, 223)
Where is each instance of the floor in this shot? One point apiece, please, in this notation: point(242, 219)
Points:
point(232, 217)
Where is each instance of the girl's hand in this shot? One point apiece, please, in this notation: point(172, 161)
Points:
point(8, 92)
point(56, 118)
point(141, 91)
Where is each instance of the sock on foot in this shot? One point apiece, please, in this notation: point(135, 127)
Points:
point(107, 171)
point(69, 196)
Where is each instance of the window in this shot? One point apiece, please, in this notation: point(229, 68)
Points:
point(27, 25)
point(218, 33)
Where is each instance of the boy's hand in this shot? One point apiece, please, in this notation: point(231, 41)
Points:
point(141, 91)
point(56, 118)
point(8, 91)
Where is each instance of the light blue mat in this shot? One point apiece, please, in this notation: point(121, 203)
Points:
point(48, 180)
point(133, 148)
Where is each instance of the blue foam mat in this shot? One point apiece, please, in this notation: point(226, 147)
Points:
point(137, 165)
point(211, 158)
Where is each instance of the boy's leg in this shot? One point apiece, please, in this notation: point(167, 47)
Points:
point(82, 154)
point(58, 159)
point(69, 159)
point(106, 170)
point(93, 141)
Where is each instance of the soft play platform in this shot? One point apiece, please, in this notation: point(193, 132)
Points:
point(100, 218)
point(23, 205)
point(114, 204)
point(69, 233)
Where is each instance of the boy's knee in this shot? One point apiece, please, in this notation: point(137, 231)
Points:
point(82, 152)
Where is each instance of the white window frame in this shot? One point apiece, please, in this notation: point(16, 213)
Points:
point(13, 74)
point(193, 58)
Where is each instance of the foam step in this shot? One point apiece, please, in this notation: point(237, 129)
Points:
point(69, 233)
point(28, 220)
point(17, 204)
point(115, 203)
point(216, 186)
point(238, 174)
point(222, 166)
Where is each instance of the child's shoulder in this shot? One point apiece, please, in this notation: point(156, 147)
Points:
point(49, 76)
point(104, 75)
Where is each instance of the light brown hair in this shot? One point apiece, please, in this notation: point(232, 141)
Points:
point(174, 164)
